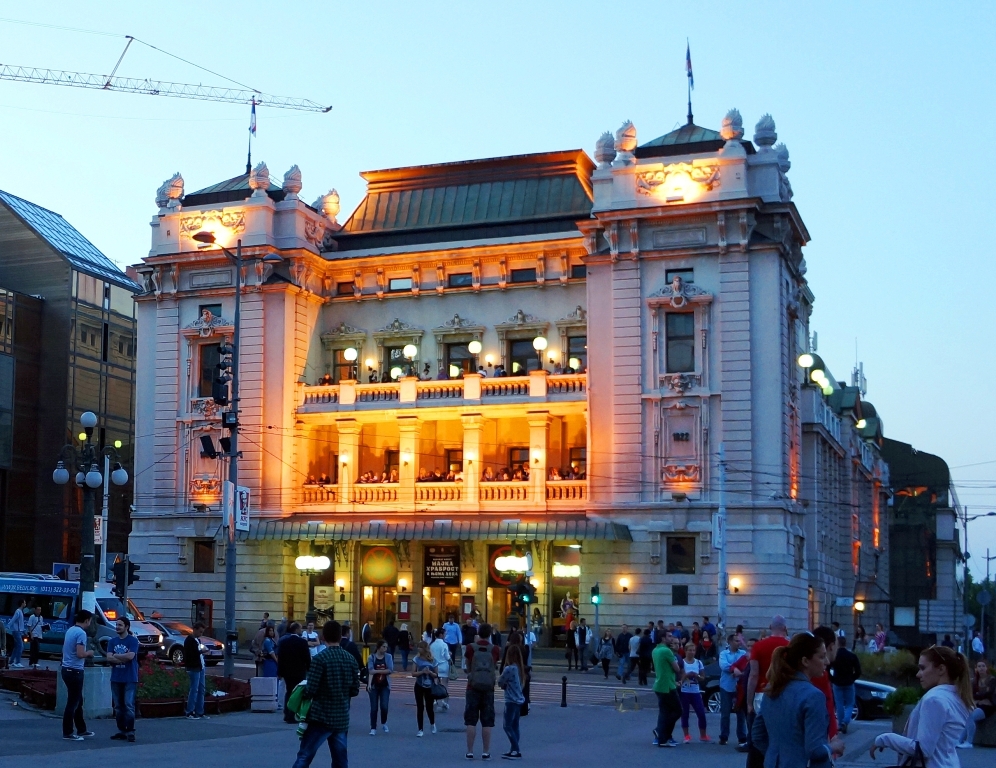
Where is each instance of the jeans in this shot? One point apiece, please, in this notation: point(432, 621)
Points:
point(623, 666)
point(123, 695)
point(404, 659)
point(35, 651)
point(726, 700)
point(843, 696)
point(195, 699)
point(644, 669)
point(379, 697)
point(583, 654)
point(312, 740)
point(668, 712)
point(73, 714)
point(18, 650)
point(511, 724)
point(632, 662)
point(977, 716)
point(755, 757)
point(423, 702)
point(692, 701)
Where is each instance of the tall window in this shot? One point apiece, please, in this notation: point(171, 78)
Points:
point(680, 334)
point(521, 357)
point(454, 459)
point(459, 360)
point(394, 357)
point(518, 458)
point(209, 368)
point(342, 369)
point(579, 459)
point(681, 554)
point(391, 458)
point(577, 350)
point(204, 556)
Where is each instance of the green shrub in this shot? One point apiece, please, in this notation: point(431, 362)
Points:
point(899, 667)
point(900, 698)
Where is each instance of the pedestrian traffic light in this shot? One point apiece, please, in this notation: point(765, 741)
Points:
point(595, 598)
point(132, 576)
point(219, 387)
point(120, 574)
point(528, 593)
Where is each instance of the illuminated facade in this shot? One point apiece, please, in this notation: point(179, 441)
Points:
point(644, 311)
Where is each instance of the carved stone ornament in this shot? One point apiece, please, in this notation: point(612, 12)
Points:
point(680, 383)
point(259, 180)
point(678, 292)
point(208, 324)
point(733, 126)
point(398, 326)
point(681, 473)
point(314, 231)
point(205, 486)
point(292, 183)
point(204, 406)
point(458, 323)
point(579, 314)
point(168, 195)
point(784, 165)
point(605, 151)
point(345, 330)
point(625, 144)
point(231, 220)
point(522, 318)
point(706, 175)
point(764, 133)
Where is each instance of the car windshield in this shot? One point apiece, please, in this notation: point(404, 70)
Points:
point(113, 607)
point(176, 626)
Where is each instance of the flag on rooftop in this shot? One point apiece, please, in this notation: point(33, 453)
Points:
point(688, 65)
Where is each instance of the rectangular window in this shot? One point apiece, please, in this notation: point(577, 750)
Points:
point(399, 284)
point(579, 459)
point(204, 556)
point(342, 369)
point(518, 458)
point(687, 275)
point(577, 353)
point(394, 363)
point(391, 460)
point(214, 309)
point(454, 459)
point(523, 275)
point(681, 554)
point(344, 289)
point(209, 368)
point(679, 594)
point(680, 334)
point(104, 343)
point(461, 280)
point(521, 357)
point(459, 360)
point(579, 271)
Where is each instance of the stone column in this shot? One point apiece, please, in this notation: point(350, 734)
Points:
point(539, 431)
point(410, 429)
point(473, 426)
point(349, 444)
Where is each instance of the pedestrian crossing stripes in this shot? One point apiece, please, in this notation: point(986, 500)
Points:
point(539, 692)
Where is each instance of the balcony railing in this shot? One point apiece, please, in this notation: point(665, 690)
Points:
point(375, 493)
point(567, 490)
point(320, 494)
point(438, 492)
point(516, 490)
point(539, 386)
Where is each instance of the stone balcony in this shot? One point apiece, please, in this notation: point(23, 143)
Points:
point(473, 389)
point(459, 497)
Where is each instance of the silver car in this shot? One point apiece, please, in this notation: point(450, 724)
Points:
point(171, 648)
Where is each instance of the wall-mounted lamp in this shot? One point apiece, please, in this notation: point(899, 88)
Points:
point(371, 363)
point(474, 347)
point(624, 583)
point(350, 354)
point(467, 584)
point(158, 582)
point(535, 581)
point(403, 585)
point(341, 583)
point(490, 360)
point(406, 458)
point(859, 606)
point(735, 584)
point(368, 593)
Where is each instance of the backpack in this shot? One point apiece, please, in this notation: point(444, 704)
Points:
point(482, 669)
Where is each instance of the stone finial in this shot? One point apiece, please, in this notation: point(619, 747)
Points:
point(764, 132)
point(605, 151)
point(626, 137)
point(169, 193)
point(292, 182)
point(733, 126)
point(782, 153)
point(259, 180)
point(784, 164)
point(328, 204)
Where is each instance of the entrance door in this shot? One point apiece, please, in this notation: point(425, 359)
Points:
point(380, 605)
point(500, 607)
point(438, 603)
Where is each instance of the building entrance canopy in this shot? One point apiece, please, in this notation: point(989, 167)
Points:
point(290, 529)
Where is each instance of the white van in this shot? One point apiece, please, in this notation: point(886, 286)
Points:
point(110, 607)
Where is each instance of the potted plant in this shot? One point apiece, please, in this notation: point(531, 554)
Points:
point(899, 704)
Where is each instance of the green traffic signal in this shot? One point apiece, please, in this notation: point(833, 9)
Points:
point(595, 597)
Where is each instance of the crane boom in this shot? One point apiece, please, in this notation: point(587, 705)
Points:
point(153, 87)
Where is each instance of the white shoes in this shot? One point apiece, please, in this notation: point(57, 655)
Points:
point(385, 728)
point(419, 734)
point(965, 745)
point(373, 731)
point(433, 727)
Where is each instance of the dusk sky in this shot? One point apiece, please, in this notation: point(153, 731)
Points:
point(884, 107)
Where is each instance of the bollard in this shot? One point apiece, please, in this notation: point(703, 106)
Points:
point(563, 691)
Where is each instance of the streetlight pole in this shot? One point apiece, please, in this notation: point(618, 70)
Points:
point(721, 532)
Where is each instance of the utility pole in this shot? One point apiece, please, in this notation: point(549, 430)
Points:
point(231, 633)
point(967, 644)
point(720, 534)
point(102, 569)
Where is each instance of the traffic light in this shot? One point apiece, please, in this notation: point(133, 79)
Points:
point(120, 574)
point(132, 576)
point(528, 593)
point(219, 387)
point(595, 598)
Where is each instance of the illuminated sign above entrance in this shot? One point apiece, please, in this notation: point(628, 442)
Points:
point(512, 564)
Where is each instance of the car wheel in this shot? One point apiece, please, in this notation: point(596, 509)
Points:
point(176, 656)
point(861, 711)
point(713, 704)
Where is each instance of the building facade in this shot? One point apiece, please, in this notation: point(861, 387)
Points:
point(68, 346)
point(536, 357)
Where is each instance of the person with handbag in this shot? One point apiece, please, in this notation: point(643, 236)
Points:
point(511, 681)
point(441, 654)
point(936, 724)
point(380, 666)
point(426, 673)
point(36, 630)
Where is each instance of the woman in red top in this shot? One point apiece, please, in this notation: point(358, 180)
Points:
point(829, 638)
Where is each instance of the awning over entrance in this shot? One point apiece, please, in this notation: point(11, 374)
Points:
point(290, 530)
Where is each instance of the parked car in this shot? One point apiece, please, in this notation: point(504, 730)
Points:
point(171, 648)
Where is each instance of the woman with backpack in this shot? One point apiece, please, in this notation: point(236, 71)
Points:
point(404, 645)
point(379, 668)
point(512, 680)
point(426, 672)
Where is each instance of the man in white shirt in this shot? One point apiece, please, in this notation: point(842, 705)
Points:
point(36, 628)
point(978, 649)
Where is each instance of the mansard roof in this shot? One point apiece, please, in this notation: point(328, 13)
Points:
point(229, 191)
point(493, 197)
point(687, 140)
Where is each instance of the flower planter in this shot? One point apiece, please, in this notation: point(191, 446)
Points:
point(161, 707)
point(899, 721)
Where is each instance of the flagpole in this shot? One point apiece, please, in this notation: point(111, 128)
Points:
point(688, 74)
point(252, 131)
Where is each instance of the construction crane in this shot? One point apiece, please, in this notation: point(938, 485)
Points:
point(153, 87)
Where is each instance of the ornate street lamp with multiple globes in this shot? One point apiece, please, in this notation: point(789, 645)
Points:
point(89, 478)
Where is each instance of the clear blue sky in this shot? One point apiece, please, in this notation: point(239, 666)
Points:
point(884, 106)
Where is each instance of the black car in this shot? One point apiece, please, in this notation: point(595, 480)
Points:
point(171, 648)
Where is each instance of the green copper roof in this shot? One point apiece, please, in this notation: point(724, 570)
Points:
point(689, 133)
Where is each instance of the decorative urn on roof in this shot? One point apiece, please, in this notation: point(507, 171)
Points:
point(784, 165)
point(733, 126)
point(605, 151)
point(328, 204)
point(625, 144)
point(259, 180)
point(292, 183)
point(169, 193)
point(764, 133)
